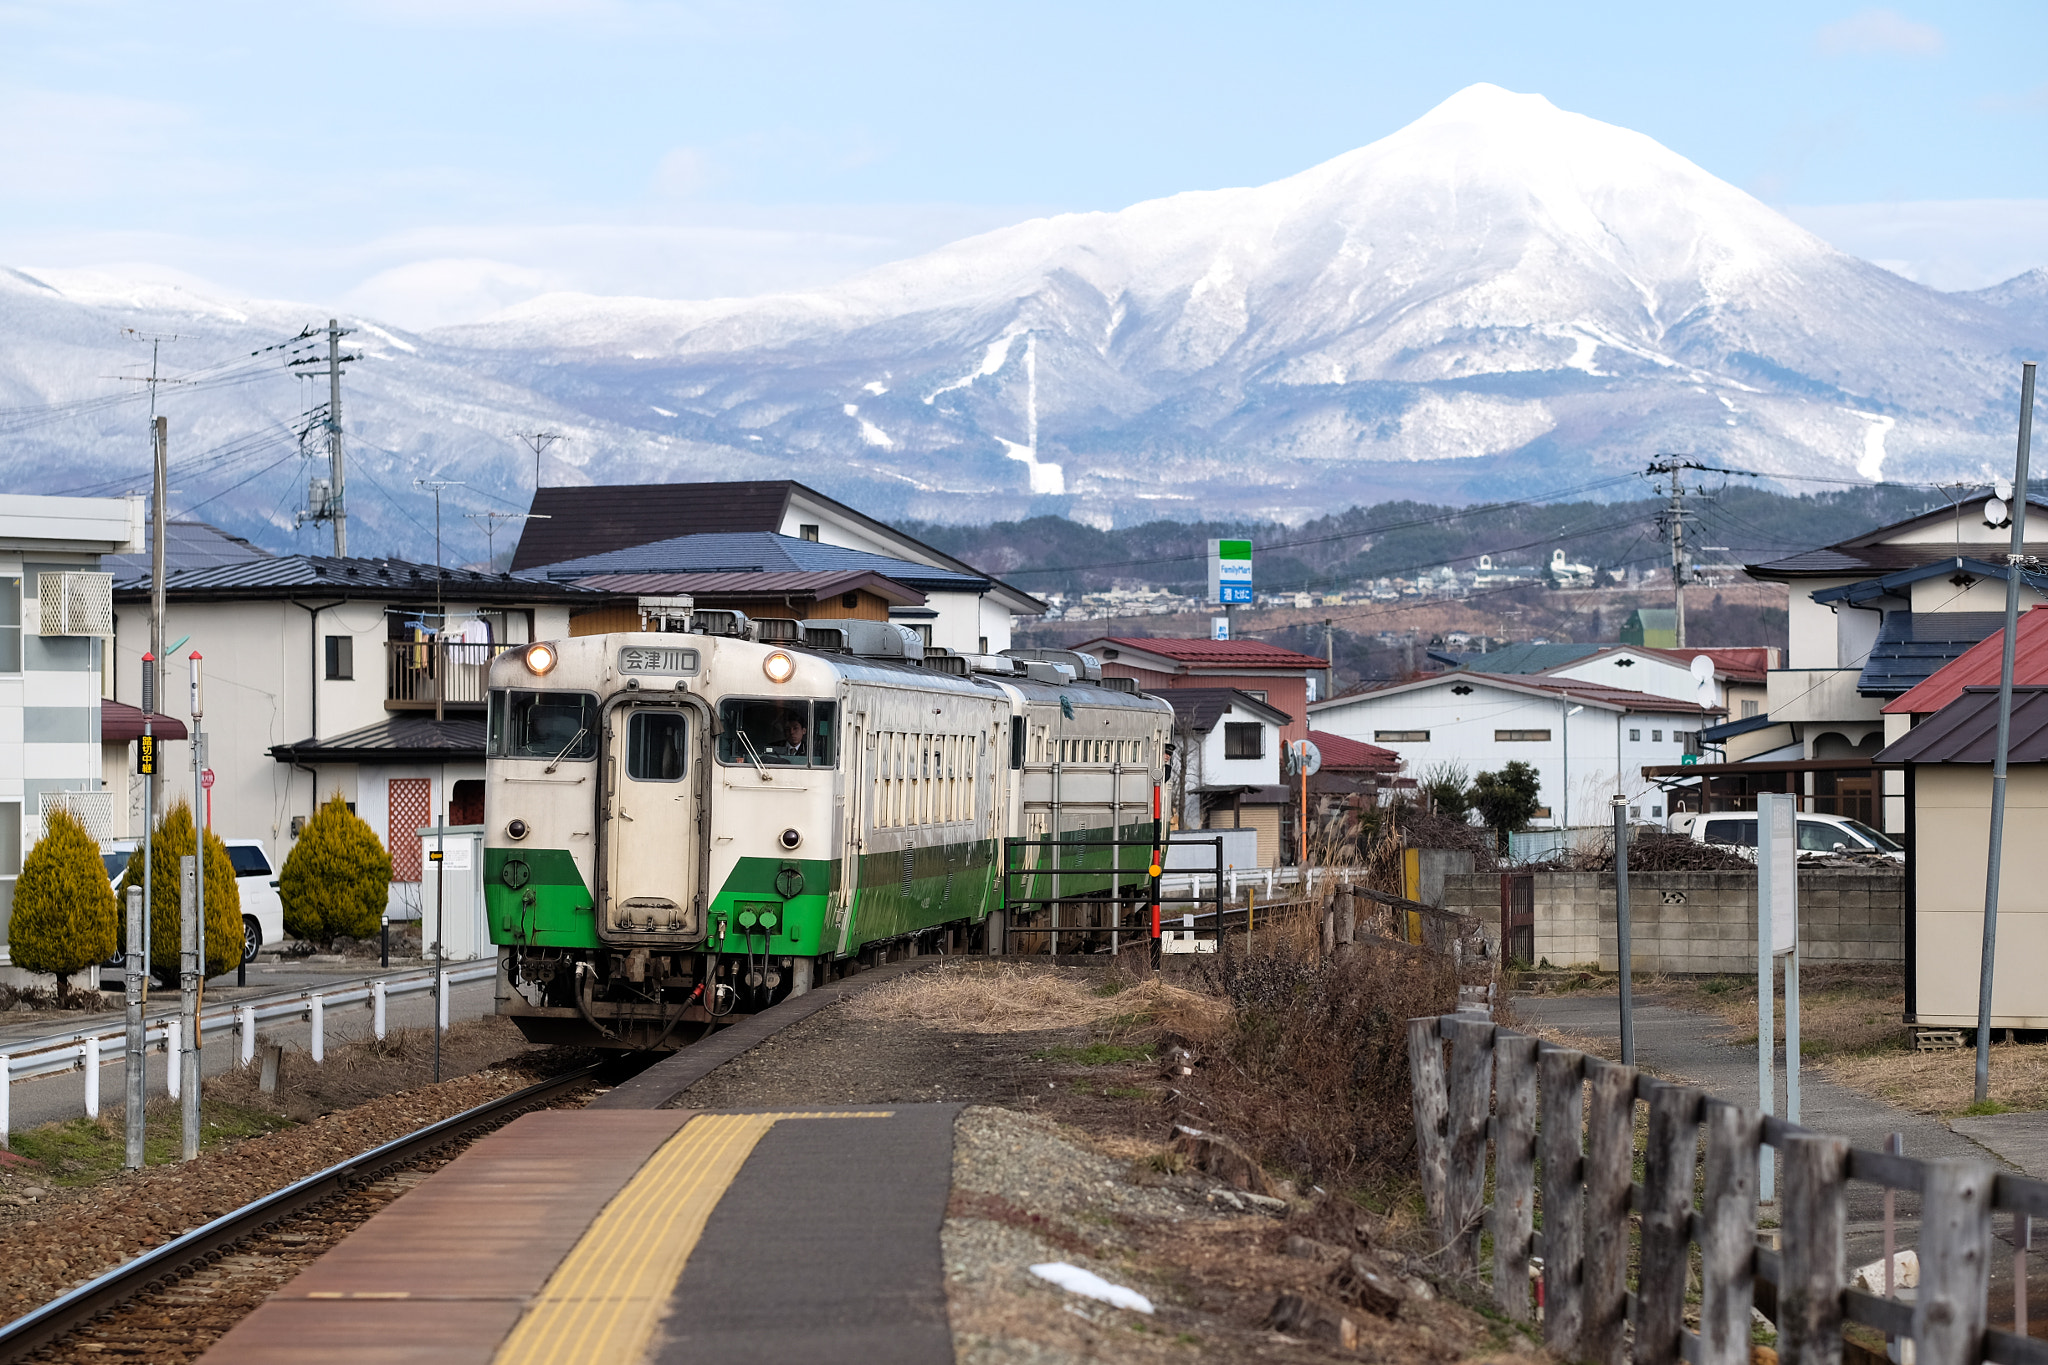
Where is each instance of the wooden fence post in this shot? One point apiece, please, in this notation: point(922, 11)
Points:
point(1810, 1277)
point(1670, 1156)
point(1728, 1234)
point(1432, 1111)
point(1471, 1087)
point(1563, 1100)
point(1610, 1166)
point(1514, 1169)
point(1955, 1263)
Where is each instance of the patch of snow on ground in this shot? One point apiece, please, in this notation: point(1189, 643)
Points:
point(1871, 466)
point(874, 435)
point(1075, 1280)
point(852, 409)
point(997, 355)
point(875, 387)
point(663, 411)
point(1045, 478)
point(375, 330)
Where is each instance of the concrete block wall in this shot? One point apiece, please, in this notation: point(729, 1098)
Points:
point(1695, 922)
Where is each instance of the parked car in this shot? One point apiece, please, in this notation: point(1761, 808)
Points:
point(1819, 835)
point(255, 878)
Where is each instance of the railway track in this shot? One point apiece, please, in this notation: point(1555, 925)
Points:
point(172, 1302)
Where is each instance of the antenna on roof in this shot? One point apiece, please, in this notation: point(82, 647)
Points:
point(539, 441)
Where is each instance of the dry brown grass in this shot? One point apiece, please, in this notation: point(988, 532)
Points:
point(1007, 997)
point(1944, 1083)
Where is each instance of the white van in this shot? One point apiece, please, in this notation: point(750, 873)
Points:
point(1819, 835)
point(255, 878)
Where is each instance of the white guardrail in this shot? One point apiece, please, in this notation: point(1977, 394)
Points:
point(89, 1051)
point(1238, 879)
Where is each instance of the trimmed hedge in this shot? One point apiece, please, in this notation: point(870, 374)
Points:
point(65, 916)
point(171, 841)
point(337, 877)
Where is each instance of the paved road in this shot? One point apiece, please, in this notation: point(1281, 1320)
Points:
point(1699, 1050)
point(47, 1098)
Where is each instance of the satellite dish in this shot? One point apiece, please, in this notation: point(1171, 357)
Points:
point(1703, 678)
point(1996, 513)
point(2001, 488)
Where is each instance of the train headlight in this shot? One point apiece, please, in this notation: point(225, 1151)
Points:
point(779, 667)
point(790, 838)
point(516, 830)
point(540, 658)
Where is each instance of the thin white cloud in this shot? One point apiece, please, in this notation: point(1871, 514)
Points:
point(1875, 31)
point(1944, 244)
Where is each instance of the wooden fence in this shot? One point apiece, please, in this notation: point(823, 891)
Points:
point(1574, 1116)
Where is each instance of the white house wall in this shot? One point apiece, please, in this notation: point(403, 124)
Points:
point(1811, 627)
point(1461, 732)
point(1636, 673)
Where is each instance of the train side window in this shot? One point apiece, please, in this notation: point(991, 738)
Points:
point(777, 733)
point(1016, 742)
point(657, 746)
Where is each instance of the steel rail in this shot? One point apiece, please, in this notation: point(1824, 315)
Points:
point(32, 1331)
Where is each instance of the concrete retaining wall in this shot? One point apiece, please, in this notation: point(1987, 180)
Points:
point(1701, 922)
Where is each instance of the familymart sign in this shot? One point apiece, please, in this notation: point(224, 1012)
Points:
point(1230, 571)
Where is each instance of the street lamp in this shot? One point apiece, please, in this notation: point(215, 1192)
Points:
point(1573, 711)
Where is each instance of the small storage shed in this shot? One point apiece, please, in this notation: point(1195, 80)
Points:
point(1947, 761)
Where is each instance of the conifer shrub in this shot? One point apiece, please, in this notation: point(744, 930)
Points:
point(171, 841)
point(65, 916)
point(336, 878)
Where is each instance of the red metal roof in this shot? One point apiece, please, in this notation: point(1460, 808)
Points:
point(1745, 663)
point(1978, 667)
point(1209, 653)
point(1344, 754)
point(120, 723)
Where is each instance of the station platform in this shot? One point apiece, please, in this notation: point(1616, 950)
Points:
point(614, 1237)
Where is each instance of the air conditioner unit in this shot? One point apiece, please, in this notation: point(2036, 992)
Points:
point(868, 639)
point(75, 603)
point(1085, 667)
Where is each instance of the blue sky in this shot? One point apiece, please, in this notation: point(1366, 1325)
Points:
point(429, 160)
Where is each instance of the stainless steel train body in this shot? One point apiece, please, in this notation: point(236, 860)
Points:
point(683, 826)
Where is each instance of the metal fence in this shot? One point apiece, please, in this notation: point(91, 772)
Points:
point(89, 1050)
point(1575, 1115)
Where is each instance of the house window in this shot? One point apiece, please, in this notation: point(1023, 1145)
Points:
point(10, 624)
point(849, 599)
point(1509, 736)
point(1247, 740)
point(1258, 692)
point(341, 658)
point(807, 532)
point(466, 801)
point(1748, 710)
point(1634, 735)
point(1542, 813)
point(1401, 736)
point(1656, 736)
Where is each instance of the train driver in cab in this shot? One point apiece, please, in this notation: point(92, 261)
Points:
point(792, 736)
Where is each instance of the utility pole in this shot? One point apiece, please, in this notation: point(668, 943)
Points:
point(1330, 656)
point(539, 441)
point(1988, 956)
point(331, 503)
point(1672, 466)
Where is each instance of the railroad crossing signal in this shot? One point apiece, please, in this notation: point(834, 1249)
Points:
point(145, 755)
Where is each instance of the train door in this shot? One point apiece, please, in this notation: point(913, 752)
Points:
point(857, 763)
point(653, 852)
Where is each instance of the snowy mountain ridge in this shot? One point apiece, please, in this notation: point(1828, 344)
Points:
point(1500, 298)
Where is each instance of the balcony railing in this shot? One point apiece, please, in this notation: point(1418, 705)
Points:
point(435, 675)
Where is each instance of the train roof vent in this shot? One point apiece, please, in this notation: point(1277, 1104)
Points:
point(1001, 665)
point(868, 639)
point(730, 624)
point(1056, 674)
point(1121, 684)
point(947, 662)
point(779, 630)
point(1086, 667)
point(665, 613)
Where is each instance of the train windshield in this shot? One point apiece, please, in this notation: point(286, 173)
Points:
point(778, 734)
point(544, 725)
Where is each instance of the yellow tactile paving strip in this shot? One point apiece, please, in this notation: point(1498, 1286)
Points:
point(602, 1304)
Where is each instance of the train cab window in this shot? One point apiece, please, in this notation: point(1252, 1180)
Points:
point(656, 745)
point(778, 734)
point(543, 725)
